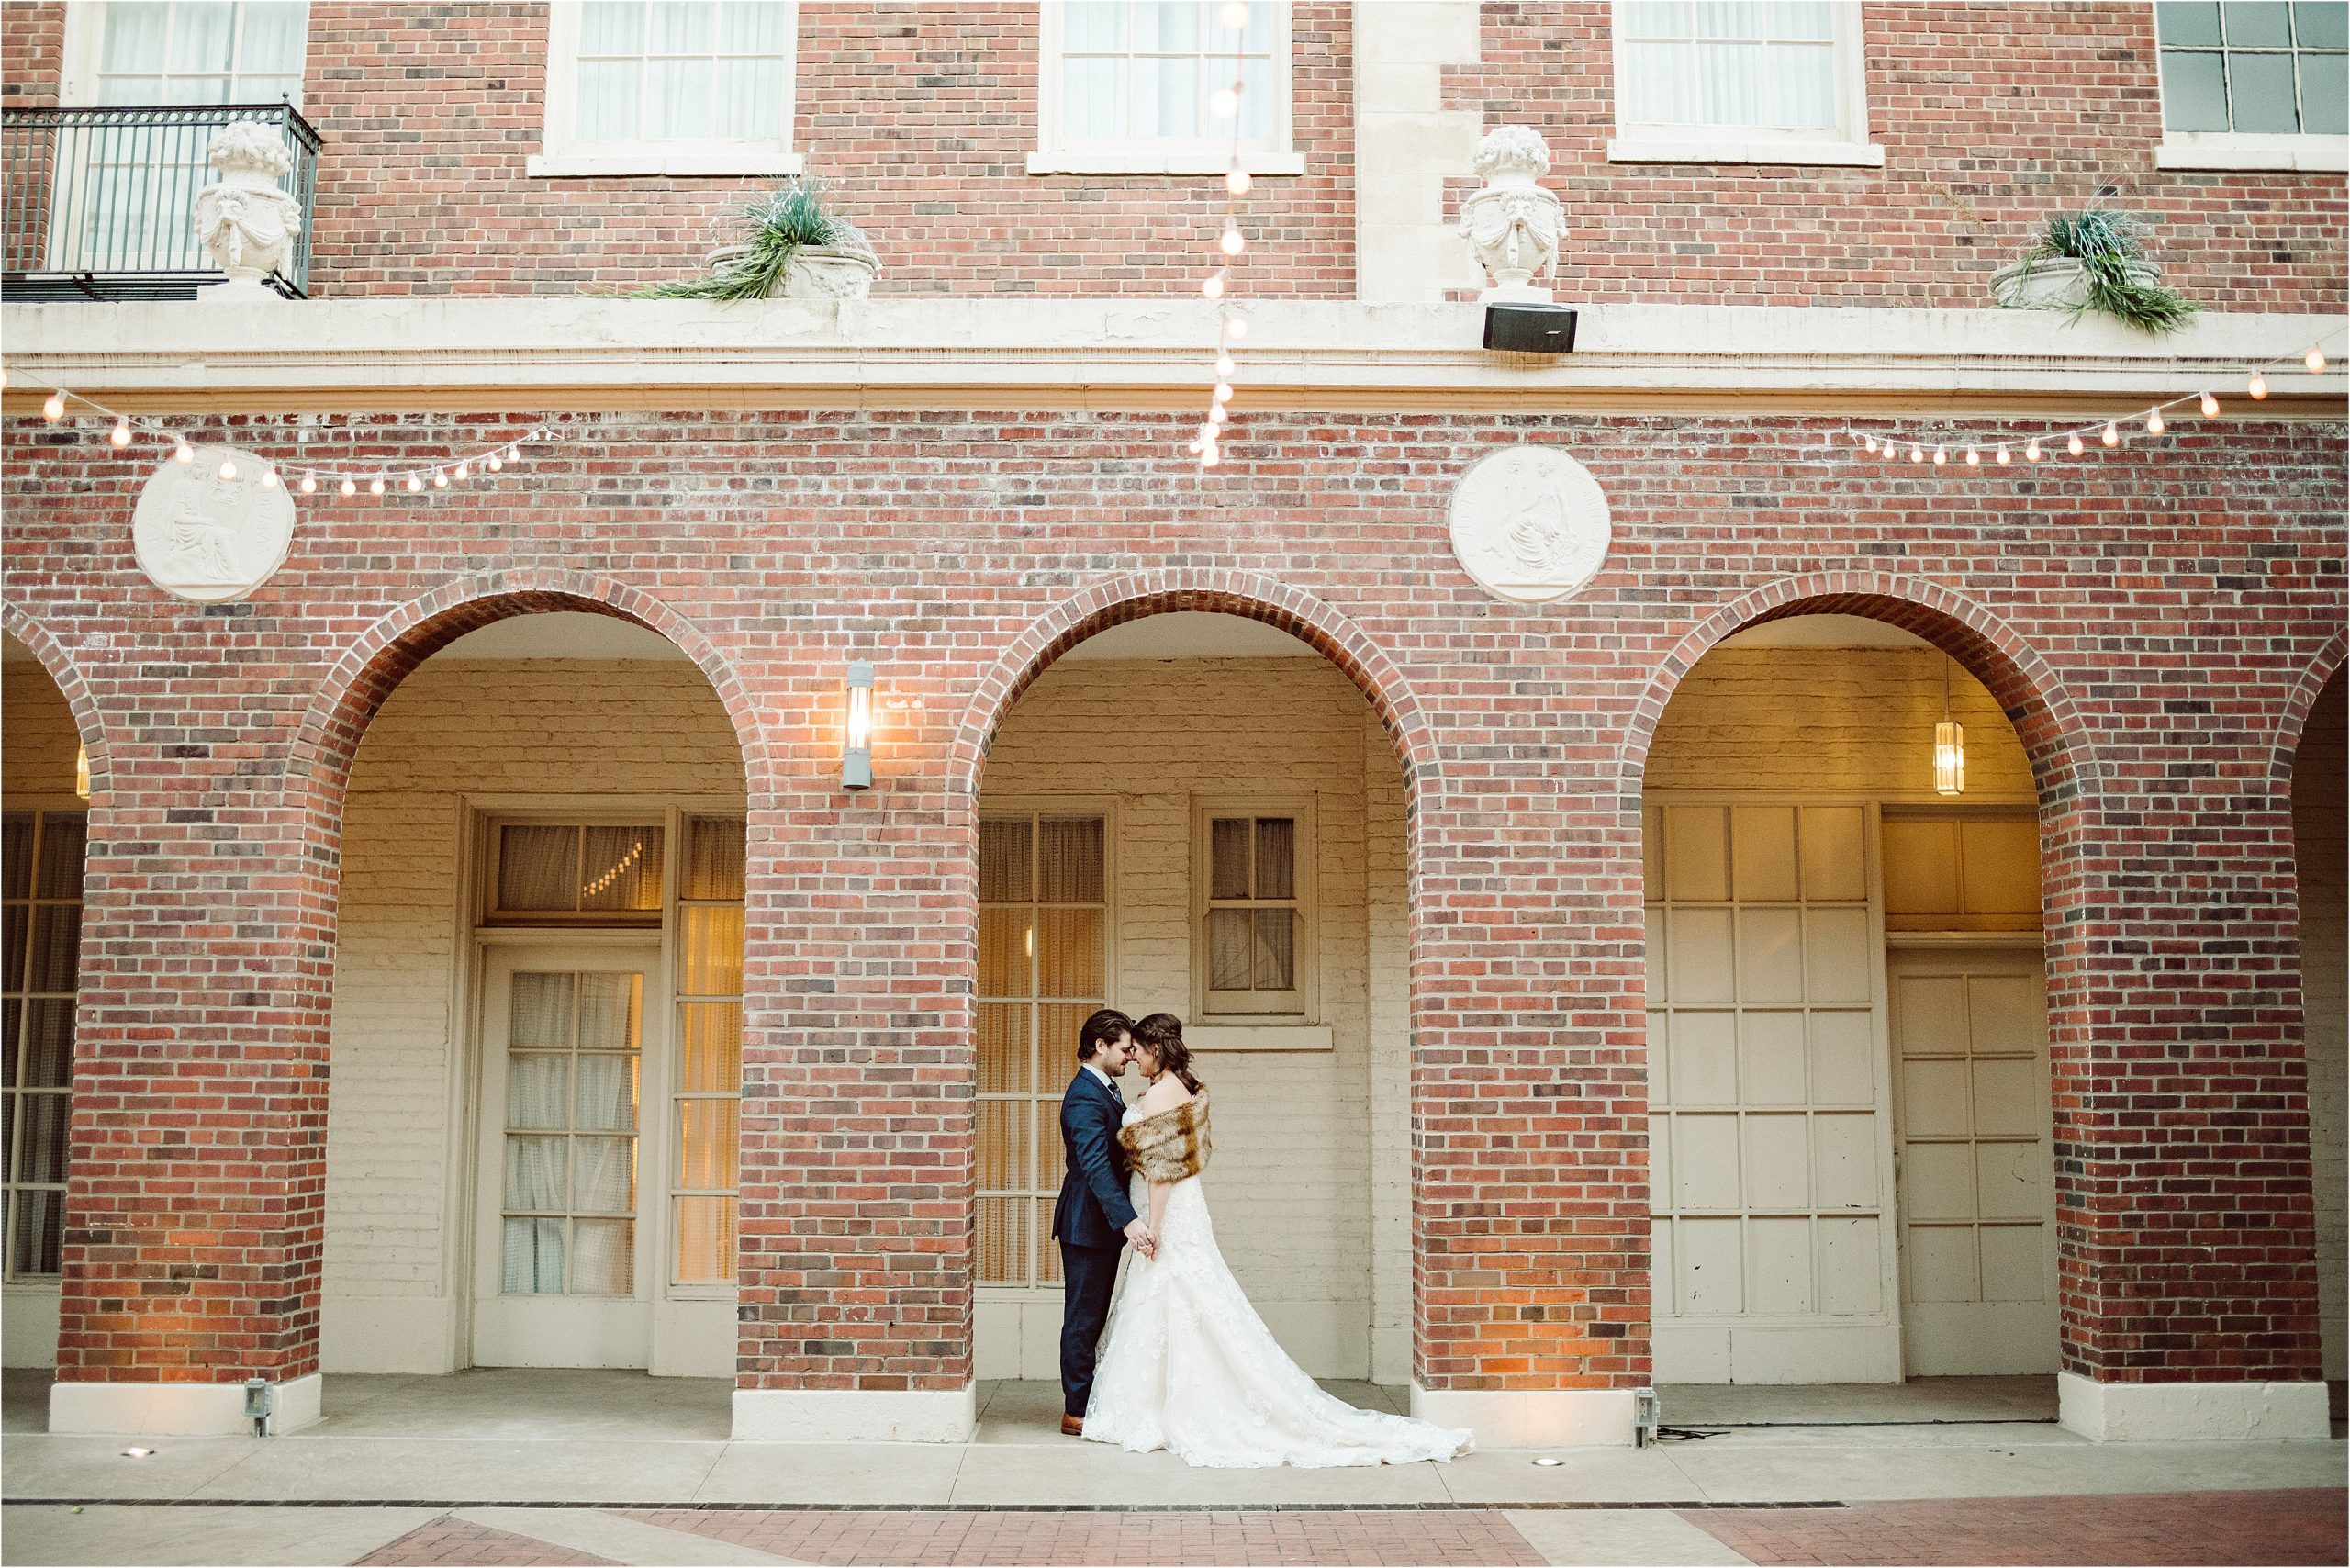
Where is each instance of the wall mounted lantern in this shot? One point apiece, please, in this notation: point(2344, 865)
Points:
point(856, 738)
point(1950, 747)
point(81, 771)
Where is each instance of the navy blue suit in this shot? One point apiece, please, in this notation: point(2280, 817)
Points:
point(1089, 1221)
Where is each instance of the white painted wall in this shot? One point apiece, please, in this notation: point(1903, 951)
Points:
point(398, 1141)
point(1311, 1208)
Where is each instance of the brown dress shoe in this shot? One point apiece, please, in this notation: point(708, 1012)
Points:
point(1073, 1426)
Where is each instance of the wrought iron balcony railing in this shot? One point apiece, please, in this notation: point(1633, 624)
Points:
point(97, 204)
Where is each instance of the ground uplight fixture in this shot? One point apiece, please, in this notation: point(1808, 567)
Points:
point(856, 735)
point(1547, 1461)
point(138, 1454)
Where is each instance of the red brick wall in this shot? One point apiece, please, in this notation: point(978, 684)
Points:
point(32, 51)
point(1992, 117)
point(921, 116)
point(2145, 616)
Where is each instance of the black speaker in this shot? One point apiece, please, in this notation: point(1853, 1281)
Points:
point(1530, 329)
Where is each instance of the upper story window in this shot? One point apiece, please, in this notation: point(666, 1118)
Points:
point(669, 87)
point(1736, 82)
point(2254, 85)
point(1124, 86)
point(186, 52)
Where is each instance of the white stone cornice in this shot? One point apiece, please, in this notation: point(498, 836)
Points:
point(389, 355)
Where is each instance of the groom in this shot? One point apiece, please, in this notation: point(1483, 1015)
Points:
point(1092, 1219)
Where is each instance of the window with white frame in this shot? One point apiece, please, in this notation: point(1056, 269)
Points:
point(1254, 881)
point(1127, 87)
point(2254, 85)
point(669, 86)
point(1741, 81)
point(187, 51)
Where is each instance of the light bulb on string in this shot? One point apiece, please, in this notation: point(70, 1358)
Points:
point(1973, 458)
point(2112, 436)
point(1216, 414)
point(1233, 242)
point(1870, 442)
point(375, 486)
point(1210, 457)
point(2006, 456)
point(121, 435)
point(309, 484)
point(1234, 16)
point(1225, 364)
point(183, 451)
point(2155, 425)
point(440, 479)
point(348, 487)
point(464, 471)
point(1941, 455)
point(2073, 443)
point(52, 408)
point(2314, 359)
point(495, 463)
point(1235, 327)
point(2257, 387)
point(228, 468)
point(2032, 450)
point(1212, 286)
point(1236, 181)
point(2210, 405)
point(414, 483)
point(1917, 455)
point(268, 478)
point(1223, 393)
point(1207, 434)
point(1224, 103)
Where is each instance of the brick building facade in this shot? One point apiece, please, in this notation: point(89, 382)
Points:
point(295, 937)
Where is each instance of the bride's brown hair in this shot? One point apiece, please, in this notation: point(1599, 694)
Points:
point(1162, 1034)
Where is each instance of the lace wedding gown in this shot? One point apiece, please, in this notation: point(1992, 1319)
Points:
point(1187, 1365)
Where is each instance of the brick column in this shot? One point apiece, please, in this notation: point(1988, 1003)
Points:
point(195, 1210)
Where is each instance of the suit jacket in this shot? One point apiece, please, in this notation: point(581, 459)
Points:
point(1094, 1209)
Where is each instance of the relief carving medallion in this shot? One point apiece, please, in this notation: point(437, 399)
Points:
point(206, 539)
point(1529, 523)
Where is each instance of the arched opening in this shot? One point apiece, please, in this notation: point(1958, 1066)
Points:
point(1851, 1144)
point(531, 1150)
point(2319, 809)
point(44, 810)
point(1200, 812)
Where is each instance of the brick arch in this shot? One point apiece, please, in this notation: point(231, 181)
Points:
point(88, 720)
point(2056, 737)
point(327, 738)
point(1119, 599)
point(2300, 702)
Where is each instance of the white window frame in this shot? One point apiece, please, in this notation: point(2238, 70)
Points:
point(2303, 151)
point(1638, 143)
point(1161, 155)
point(565, 156)
point(77, 78)
point(1305, 883)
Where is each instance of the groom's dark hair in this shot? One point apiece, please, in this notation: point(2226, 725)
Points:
point(1102, 1029)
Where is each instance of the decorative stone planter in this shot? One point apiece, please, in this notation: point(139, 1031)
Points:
point(2050, 283)
point(814, 271)
point(248, 223)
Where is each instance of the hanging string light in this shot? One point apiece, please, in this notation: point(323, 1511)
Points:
point(1224, 103)
point(2105, 431)
point(345, 481)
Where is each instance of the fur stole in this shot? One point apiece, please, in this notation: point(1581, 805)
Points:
point(1171, 1145)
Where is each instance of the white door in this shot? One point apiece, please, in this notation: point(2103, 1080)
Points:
point(564, 1256)
point(1973, 1162)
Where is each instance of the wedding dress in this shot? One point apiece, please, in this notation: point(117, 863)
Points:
point(1187, 1365)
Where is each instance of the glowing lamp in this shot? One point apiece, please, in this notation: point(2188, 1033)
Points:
point(856, 738)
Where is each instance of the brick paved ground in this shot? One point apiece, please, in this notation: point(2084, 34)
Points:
point(451, 1540)
point(1462, 1536)
point(2171, 1527)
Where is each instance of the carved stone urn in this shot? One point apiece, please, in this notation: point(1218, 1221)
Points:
point(841, 270)
point(248, 223)
point(1512, 224)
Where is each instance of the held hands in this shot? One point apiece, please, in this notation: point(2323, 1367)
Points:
point(1139, 1237)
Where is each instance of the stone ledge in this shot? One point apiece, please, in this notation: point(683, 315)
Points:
point(616, 354)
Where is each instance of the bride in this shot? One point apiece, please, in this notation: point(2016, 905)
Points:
point(1186, 1364)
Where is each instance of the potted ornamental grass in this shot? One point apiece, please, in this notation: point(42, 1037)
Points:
point(796, 250)
point(2094, 260)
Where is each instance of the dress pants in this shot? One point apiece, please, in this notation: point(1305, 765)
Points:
point(1088, 1278)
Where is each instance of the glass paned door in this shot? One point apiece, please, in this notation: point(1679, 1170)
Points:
point(566, 1041)
point(41, 863)
point(127, 193)
point(1043, 907)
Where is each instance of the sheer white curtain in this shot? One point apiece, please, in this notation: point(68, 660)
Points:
point(1729, 63)
point(1142, 69)
point(573, 1053)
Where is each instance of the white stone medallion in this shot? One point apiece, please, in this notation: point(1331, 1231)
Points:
point(209, 539)
point(1529, 523)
